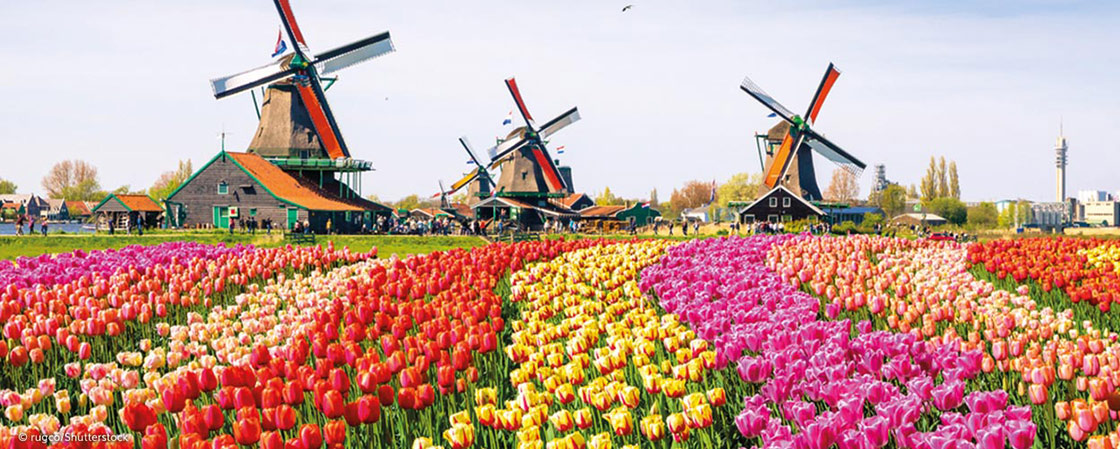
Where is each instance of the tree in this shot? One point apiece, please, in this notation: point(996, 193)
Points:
point(373, 197)
point(942, 179)
point(410, 202)
point(741, 187)
point(124, 190)
point(73, 180)
point(954, 181)
point(171, 180)
point(7, 187)
point(929, 181)
point(951, 209)
point(607, 198)
point(653, 203)
point(1018, 212)
point(983, 215)
point(844, 186)
point(912, 192)
point(892, 200)
point(694, 194)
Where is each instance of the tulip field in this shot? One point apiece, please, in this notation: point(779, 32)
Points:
point(784, 341)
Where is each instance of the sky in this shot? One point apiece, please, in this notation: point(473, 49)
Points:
point(124, 85)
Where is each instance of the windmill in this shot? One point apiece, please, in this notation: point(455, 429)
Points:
point(526, 164)
point(296, 119)
point(799, 140)
point(479, 179)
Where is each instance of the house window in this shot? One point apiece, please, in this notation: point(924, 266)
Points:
point(772, 218)
point(252, 212)
point(773, 202)
point(223, 188)
point(787, 218)
point(785, 202)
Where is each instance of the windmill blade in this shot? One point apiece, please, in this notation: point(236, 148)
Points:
point(464, 181)
point(779, 164)
point(833, 152)
point(753, 90)
point(552, 176)
point(470, 151)
point(233, 84)
point(499, 152)
point(830, 76)
point(560, 122)
point(359, 51)
point(288, 19)
point(512, 85)
point(321, 117)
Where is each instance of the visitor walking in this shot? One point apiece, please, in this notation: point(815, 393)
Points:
point(44, 228)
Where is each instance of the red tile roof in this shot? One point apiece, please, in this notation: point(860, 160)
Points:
point(571, 199)
point(78, 208)
point(601, 211)
point(287, 187)
point(139, 203)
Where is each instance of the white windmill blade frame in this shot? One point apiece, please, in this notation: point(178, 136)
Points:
point(833, 152)
point(560, 122)
point(355, 52)
point(505, 148)
point(755, 91)
point(240, 82)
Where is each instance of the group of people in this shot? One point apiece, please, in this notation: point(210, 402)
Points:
point(672, 225)
point(251, 225)
point(31, 228)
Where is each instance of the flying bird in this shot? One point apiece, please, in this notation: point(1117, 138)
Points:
point(627, 8)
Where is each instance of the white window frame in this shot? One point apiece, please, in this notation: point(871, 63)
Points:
point(773, 202)
point(786, 202)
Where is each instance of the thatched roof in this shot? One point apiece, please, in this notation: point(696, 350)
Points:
point(286, 127)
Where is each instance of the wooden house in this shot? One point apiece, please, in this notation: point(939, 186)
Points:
point(124, 211)
point(235, 187)
point(780, 204)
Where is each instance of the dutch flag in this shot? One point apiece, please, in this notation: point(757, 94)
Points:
point(645, 205)
point(560, 149)
point(508, 119)
point(281, 46)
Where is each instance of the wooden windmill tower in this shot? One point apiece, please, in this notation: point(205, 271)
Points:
point(790, 143)
point(297, 130)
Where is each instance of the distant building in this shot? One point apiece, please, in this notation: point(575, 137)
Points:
point(125, 211)
point(838, 215)
point(78, 210)
point(1106, 213)
point(27, 204)
point(919, 219)
point(1088, 196)
point(55, 210)
point(1060, 160)
point(881, 182)
point(1050, 215)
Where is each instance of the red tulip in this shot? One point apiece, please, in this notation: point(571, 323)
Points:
point(293, 393)
point(426, 394)
point(369, 409)
point(310, 437)
point(334, 433)
point(332, 404)
point(406, 398)
point(285, 417)
point(385, 395)
point(271, 440)
point(213, 417)
point(247, 431)
point(138, 416)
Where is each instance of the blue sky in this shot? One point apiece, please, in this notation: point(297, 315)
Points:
point(123, 85)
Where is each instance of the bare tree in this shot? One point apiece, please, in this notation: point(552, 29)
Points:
point(844, 186)
point(171, 180)
point(73, 180)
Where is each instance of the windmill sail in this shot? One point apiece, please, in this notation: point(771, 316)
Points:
point(353, 53)
point(753, 90)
